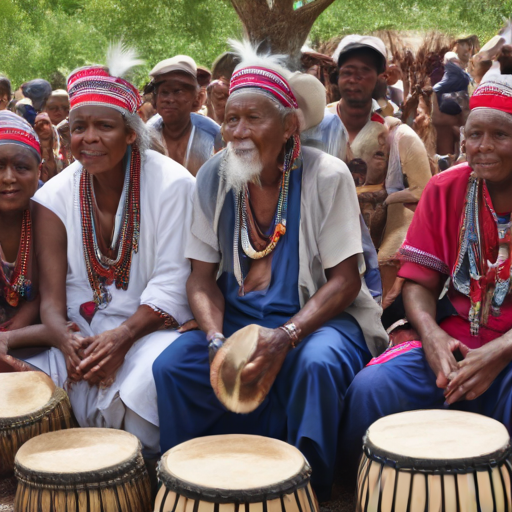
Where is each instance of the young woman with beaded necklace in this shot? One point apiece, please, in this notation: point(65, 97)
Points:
point(20, 161)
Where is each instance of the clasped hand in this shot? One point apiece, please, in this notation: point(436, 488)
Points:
point(470, 377)
point(95, 359)
point(476, 372)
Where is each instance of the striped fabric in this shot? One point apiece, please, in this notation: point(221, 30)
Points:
point(495, 91)
point(266, 79)
point(15, 130)
point(95, 86)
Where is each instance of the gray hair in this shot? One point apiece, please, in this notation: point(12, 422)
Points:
point(144, 138)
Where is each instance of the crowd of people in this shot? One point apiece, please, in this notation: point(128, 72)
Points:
point(141, 229)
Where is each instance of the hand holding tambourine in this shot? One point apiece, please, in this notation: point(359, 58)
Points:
point(246, 365)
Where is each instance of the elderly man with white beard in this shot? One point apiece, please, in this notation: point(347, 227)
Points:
point(275, 241)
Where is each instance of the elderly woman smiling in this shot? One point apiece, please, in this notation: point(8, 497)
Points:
point(109, 234)
point(461, 230)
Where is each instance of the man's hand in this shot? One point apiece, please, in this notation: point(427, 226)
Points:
point(268, 358)
point(104, 354)
point(439, 348)
point(477, 371)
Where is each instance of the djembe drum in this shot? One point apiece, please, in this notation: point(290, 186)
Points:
point(435, 460)
point(30, 404)
point(227, 368)
point(82, 470)
point(234, 473)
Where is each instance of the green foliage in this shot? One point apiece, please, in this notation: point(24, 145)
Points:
point(44, 38)
point(455, 17)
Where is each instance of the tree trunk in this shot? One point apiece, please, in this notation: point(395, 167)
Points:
point(275, 24)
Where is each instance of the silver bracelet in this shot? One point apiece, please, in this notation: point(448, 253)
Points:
point(293, 333)
point(215, 341)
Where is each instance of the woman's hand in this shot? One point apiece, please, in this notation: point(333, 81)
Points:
point(7, 362)
point(268, 358)
point(191, 325)
point(6, 326)
point(104, 354)
point(4, 343)
point(395, 291)
point(477, 371)
point(71, 347)
point(439, 348)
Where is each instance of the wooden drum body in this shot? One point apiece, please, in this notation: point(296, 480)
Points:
point(234, 473)
point(82, 470)
point(30, 404)
point(435, 461)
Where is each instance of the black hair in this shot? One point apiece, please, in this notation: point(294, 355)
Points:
point(5, 87)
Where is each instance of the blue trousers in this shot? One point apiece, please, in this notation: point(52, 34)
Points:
point(407, 383)
point(304, 406)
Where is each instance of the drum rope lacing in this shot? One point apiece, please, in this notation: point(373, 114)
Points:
point(58, 396)
point(163, 505)
point(197, 492)
point(439, 466)
point(129, 470)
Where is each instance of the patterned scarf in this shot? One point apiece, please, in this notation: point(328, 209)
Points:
point(482, 267)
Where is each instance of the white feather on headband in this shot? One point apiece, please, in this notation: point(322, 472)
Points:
point(121, 59)
point(249, 57)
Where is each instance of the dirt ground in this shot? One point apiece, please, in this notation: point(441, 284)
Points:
point(7, 491)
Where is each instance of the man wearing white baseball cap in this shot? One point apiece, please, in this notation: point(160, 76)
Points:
point(187, 137)
point(353, 123)
point(360, 59)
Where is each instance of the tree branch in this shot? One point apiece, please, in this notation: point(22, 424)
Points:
point(314, 9)
point(244, 6)
point(287, 5)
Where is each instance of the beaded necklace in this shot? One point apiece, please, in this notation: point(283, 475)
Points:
point(103, 271)
point(242, 231)
point(19, 285)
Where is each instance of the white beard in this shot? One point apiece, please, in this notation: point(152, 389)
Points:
point(241, 165)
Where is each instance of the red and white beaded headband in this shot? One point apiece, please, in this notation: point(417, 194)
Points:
point(264, 79)
point(95, 86)
point(15, 130)
point(495, 91)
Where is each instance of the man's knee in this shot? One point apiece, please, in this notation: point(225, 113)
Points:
point(370, 384)
point(329, 351)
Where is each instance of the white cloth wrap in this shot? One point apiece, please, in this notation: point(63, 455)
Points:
point(158, 275)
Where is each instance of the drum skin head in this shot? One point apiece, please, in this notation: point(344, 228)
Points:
point(24, 393)
point(226, 370)
point(77, 450)
point(233, 462)
point(437, 435)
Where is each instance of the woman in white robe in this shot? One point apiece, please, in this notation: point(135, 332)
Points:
point(123, 209)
